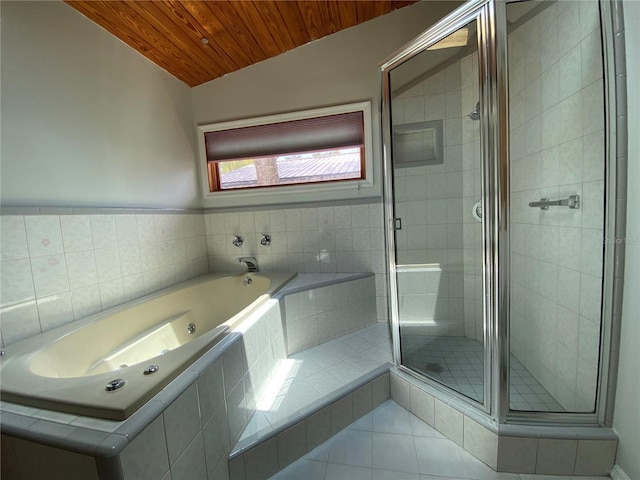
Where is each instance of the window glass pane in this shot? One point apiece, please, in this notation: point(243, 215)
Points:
point(309, 167)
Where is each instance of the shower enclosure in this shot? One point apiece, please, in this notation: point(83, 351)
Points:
point(499, 193)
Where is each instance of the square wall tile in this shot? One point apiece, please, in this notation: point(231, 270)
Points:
point(236, 468)
point(517, 455)
point(380, 389)
point(480, 442)
point(449, 422)
point(13, 237)
point(44, 235)
point(49, 275)
point(182, 422)
point(146, 456)
point(318, 428)
point(191, 464)
point(400, 390)
point(595, 457)
point(422, 405)
point(292, 444)
point(19, 321)
point(17, 281)
point(39, 461)
point(261, 462)
point(556, 456)
point(362, 401)
point(216, 439)
point(341, 414)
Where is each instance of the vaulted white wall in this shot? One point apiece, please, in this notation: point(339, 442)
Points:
point(86, 120)
point(341, 68)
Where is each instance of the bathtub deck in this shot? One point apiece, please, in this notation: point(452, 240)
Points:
point(314, 374)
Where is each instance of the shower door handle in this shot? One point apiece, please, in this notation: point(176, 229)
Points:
point(396, 224)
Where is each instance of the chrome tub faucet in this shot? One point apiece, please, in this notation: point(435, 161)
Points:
point(252, 263)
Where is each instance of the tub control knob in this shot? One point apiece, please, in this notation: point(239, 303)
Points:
point(191, 328)
point(151, 369)
point(113, 385)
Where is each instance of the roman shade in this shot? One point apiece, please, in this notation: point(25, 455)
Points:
point(296, 136)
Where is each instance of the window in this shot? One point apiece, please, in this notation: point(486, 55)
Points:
point(318, 149)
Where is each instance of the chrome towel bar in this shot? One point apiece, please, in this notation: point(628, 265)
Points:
point(572, 202)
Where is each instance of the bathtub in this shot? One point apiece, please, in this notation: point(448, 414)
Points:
point(108, 365)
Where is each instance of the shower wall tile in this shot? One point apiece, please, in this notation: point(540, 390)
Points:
point(429, 199)
point(557, 253)
point(59, 268)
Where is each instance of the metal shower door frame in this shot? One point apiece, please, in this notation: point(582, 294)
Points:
point(484, 13)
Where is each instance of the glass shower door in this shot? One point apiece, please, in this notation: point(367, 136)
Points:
point(435, 164)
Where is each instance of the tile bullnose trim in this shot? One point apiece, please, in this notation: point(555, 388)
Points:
point(10, 210)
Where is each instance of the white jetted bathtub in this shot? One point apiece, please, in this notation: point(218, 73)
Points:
point(110, 364)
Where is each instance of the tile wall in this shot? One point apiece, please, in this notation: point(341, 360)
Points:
point(557, 149)
point(429, 200)
point(193, 437)
point(508, 448)
point(340, 239)
point(58, 268)
point(321, 314)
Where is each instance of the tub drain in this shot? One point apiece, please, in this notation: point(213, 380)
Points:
point(434, 368)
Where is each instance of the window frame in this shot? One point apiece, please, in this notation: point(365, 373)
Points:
point(291, 193)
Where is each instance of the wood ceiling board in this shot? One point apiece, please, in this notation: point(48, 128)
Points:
point(182, 16)
point(266, 25)
point(219, 34)
point(347, 12)
point(239, 32)
point(176, 34)
point(110, 16)
point(296, 26)
point(209, 31)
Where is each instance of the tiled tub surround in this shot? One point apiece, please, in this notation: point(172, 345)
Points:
point(557, 149)
point(336, 376)
point(317, 315)
point(59, 268)
point(179, 429)
point(187, 429)
point(587, 451)
point(333, 239)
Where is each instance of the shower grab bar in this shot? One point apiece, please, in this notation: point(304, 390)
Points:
point(572, 202)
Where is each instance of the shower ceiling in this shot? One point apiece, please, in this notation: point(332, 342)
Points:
point(198, 41)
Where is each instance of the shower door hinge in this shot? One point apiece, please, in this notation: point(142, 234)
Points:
point(396, 224)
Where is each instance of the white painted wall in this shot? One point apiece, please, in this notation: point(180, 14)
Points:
point(86, 120)
point(626, 420)
point(341, 68)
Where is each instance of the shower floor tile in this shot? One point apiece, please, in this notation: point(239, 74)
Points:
point(457, 362)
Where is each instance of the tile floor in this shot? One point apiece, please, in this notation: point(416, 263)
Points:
point(458, 363)
point(314, 374)
point(311, 375)
point(390, 443)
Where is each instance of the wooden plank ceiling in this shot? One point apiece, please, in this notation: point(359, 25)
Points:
point(198, 41)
